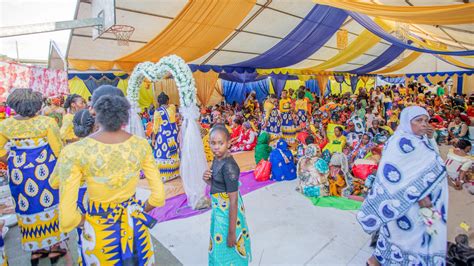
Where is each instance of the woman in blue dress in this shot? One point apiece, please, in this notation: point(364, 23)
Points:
point(271, 120)
point(165, 139)
point(283, 164)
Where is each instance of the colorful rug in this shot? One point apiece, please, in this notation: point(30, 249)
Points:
point(177, 207)
point(336, 202)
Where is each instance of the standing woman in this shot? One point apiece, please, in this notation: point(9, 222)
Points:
point(301, 109)
point(165, 139)
point(408, 202)
point(73, 104)
point(115, 226)
point(271, 121)
point(230, 241)
point(287, 127)
point(34, 146)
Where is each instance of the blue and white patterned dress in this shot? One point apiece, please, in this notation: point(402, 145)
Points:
point(391, 206)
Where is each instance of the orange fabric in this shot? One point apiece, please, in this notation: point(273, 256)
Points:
point(205, 85)
point(432, 15)
point(199, 28)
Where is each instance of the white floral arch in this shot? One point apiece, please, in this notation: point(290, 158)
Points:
point(193, 160)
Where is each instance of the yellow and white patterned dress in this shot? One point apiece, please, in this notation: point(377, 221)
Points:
point(34, 145)
point(116, 228)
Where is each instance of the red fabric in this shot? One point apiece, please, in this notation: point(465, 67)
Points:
point(465, 119)
point(263, 170)
point(301, 137)
point(470, 111)
point(236, 132)
point(362, 171)
point(50, 82)
point(243, 144)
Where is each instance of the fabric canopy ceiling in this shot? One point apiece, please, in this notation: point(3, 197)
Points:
point(300, 34)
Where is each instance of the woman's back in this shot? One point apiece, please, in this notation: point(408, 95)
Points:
point(111, 171)
point(35, 127)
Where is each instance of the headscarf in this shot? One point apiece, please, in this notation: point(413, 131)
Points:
point(312, 151)
point(407, 115)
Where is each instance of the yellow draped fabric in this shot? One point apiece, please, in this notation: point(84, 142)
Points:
point(403, 63)
point(169, 87)
point(322, 82)
point(431, 45)
point(360, 45)
point(293, 84)
point(205, 85)
point(199, 28)
point(123, 85)
point(432, 15)
point(84, 65)
point(77, 86)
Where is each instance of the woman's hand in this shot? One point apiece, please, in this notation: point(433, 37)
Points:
point(425, 202)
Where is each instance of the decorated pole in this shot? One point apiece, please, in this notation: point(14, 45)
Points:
point(193, 159)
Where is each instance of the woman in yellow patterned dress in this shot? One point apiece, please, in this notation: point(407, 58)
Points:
point(165, 139)
point(287, 128)
point(34, 146)
point(73, 104)
point(301, 110)
point(115, 227)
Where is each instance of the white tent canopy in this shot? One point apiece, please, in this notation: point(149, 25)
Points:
point(267, 23)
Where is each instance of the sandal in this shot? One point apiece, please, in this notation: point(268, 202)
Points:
point(37, 255)
point(58, 253)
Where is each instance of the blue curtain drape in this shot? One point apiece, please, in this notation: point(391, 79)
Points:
point(373, 27)
point(236, 91)
point(393, 80)
point(278, 85)
point(380, 61)
point(313, 86)
point(460, 84)
point(354, 80)
point(261, 87)
point(93, 84)
point(319, 25)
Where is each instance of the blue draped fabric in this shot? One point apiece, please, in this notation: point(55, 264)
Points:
point(373, 27)
point(219, 69)
point(309, 36)
point(86, 76)
point(313, 86)
point(456, 65)
point(393, 80)
point(93, 84)
point(354, 80)
point(241, 77)
point(278, 85)
point(450, 73)
point(380, 61)
point(460, 84)
point(236, 91)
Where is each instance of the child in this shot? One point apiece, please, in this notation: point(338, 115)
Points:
point(230, 241)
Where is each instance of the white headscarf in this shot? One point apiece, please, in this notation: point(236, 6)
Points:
point(407, 115)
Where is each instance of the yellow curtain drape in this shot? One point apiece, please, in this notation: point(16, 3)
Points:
point(205, 85)
point(169, 87)
point(146, 95)
point(403, 63)
point(360, 45)
point(322, 82)
point(84, 65)
point(216, 96)
point(432, 15)
point(293, 84)
point(77, 86)
point(123, 85)
point(198, 28)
